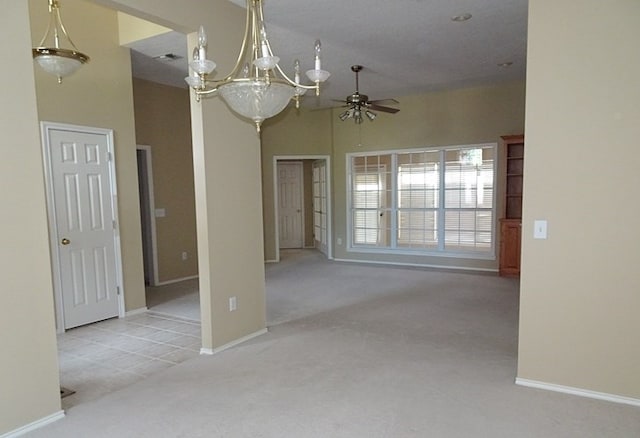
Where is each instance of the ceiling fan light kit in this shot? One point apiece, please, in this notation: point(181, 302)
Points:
point(359, 105)
point(256, 88)
point(55, 59)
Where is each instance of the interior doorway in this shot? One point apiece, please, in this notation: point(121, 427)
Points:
point(147, 215)
point(314, 191)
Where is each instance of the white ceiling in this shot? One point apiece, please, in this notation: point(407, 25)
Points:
point(406, 46)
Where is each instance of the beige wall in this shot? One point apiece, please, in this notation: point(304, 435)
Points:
point(99, 95)
point(580, 288)
point(29, 365)
point(131, 29)
point(228, 200)
point(294, 133)
point(233, 226)
point(163, 122)
point(466, 116)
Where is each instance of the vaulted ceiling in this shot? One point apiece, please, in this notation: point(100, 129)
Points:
point(406, 46)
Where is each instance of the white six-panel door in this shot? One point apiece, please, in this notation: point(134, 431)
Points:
point(290, 204)
point(84, 227)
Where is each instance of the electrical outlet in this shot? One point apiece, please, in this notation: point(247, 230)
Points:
point(233, 304)
point(185, 256)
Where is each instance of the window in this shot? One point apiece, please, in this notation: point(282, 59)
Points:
point(371, 195)
point(430, 201)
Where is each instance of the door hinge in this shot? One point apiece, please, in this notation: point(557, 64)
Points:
point(109, 157)
point(115, 224)
point(118, 289)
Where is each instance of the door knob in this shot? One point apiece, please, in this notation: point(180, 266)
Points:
point(65, 241)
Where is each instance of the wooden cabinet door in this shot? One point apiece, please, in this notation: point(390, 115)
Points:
point(510, 231)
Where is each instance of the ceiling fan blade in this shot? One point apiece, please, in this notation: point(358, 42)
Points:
point(384, 109)
point(384, 102)
point(341, 101)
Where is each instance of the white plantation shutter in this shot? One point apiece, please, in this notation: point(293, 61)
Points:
point(468, 200)
point(418, 199)
point(366, 204)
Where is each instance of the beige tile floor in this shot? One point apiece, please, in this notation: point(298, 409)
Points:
point(105, 356)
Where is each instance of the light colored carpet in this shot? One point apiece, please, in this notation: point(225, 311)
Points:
point(406, 353)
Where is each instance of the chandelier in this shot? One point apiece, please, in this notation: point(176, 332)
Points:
point(55, 59)
point(256, 88)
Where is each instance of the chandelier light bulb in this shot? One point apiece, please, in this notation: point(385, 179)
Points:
point(263, 42)
point(318, 49)
point(296, 69)
point(202, 36)
point(202, 44)
point(296, 78)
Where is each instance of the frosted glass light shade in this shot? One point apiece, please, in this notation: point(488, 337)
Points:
point(318, 75)
point(193, 81)
point(256, 100)
point(202, 66)
point(59, 62)
point(266, 62)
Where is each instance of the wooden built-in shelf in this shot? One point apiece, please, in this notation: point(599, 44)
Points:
point(511, 223)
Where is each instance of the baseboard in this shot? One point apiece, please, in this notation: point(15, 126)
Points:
point(175, 280)
point(418, 265)
point(136, 311)
point(578, 391)
point(210, 352)
point(35, 425)
point(271, 261)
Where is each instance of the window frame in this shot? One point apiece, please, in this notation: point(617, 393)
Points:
point(440, 251)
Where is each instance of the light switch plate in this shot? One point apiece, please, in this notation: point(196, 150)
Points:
point(540, 229)
point(161, 212)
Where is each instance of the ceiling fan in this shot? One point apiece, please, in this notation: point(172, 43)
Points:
point(359, 104)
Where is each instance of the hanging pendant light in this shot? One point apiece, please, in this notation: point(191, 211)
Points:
point(256, 88)
point(55, 59)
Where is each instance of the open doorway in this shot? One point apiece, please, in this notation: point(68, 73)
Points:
point(302, 202)
point(167, 198)
point(147, 215)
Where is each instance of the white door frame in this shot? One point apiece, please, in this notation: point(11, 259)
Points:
point(155, 280)
point(45, 128)
point(327, 159)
